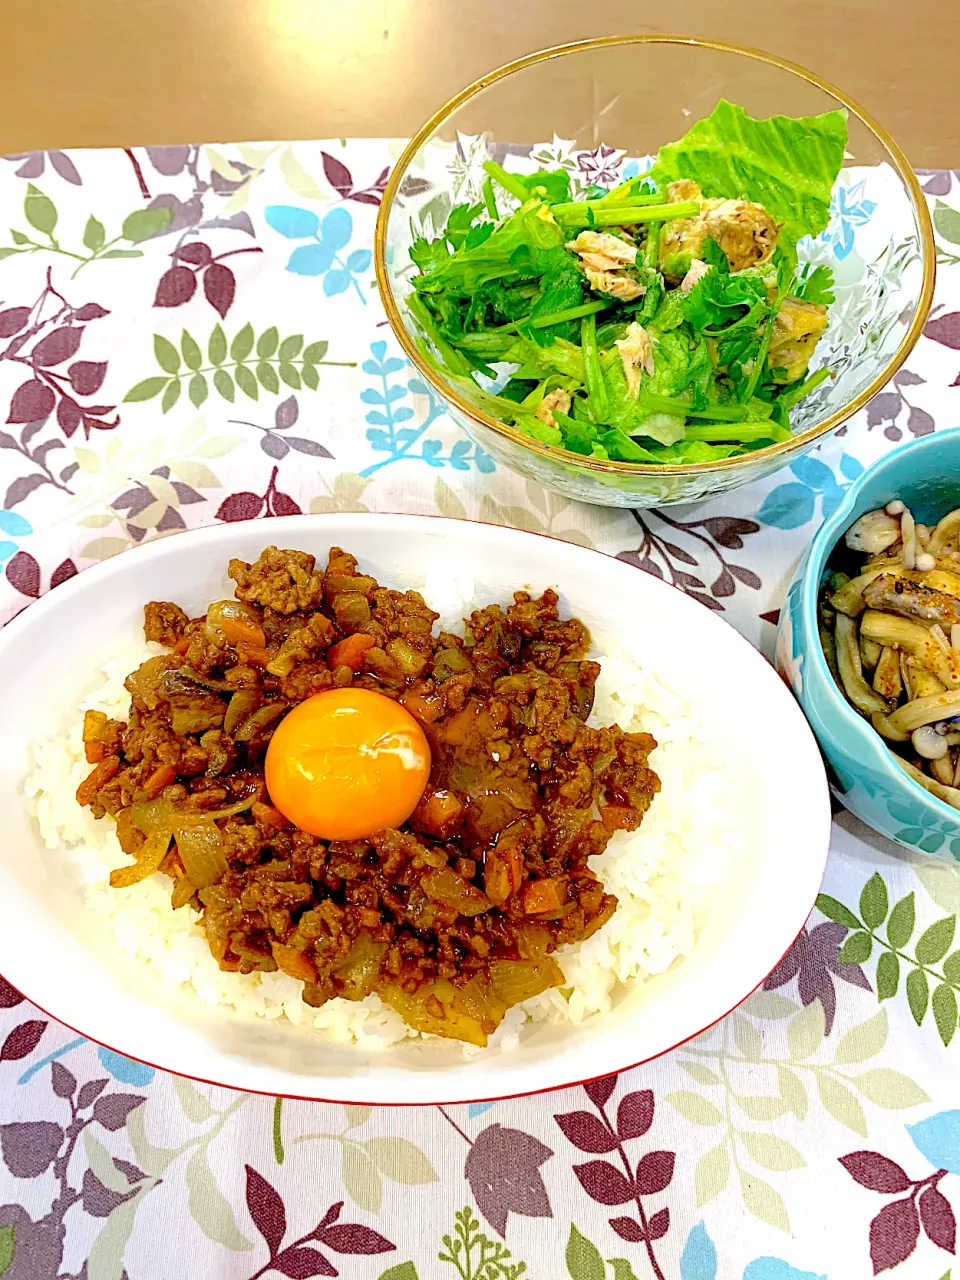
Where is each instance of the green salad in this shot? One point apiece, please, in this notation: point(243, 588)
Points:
point(665, 321)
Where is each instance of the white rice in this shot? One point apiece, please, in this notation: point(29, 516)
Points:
point(659, 873)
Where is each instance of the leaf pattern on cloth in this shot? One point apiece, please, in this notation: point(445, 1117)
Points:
point(231, 287)
point(503, 1170)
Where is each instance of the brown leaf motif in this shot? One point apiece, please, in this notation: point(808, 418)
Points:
point(710, 537)
point(893, 1234)
point(503, 1169)
point(266, 1209)
point(895, 1230)
point(586, 1132)
point(32, 401)
point(601, 1091)
point(113, 1108)
point(945, 329)
point(63, 1081)
point(30, 1149)
point(176, 287)
point(635, 1114)
point(875, 1172)
point(22, 1040)
point(99, 1201)
point(10, 997)
point(603, 1182)
point(37, 1246)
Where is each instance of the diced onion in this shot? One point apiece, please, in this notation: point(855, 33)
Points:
point(201, 851)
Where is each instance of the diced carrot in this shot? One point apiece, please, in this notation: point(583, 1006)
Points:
point(256, 655)
point(503, 875)
point(243, 631)
point(94, 752)
point(294, 962)
point(439, 813)
point(349, 652)
point(545, 895)
point(101, 775)
point(161, 777)
point(268, 816)
point(618, 817)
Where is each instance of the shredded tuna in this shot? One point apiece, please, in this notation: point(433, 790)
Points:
point(559, 400)
point(602, 251)
point(636, 355)
point(626, 288)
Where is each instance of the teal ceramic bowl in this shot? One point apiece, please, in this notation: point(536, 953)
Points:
point(864, 774)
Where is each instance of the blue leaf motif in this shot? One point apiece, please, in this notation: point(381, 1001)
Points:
point(14, 524)
point(938, 1138)
point(370, 395)
point(373, 367)
point(479, 1108)
point(460, 456)
point(393, 365)
point(831, 499)
point(851, 467)
point(336, 229)
point(311, 260)
point(776, 1269)
point(336, 281)
point(418, 387)
point(377, 419)
point(359, 260)
point(788, 506)
point(395, 393)
point(294, 223)
point(406, 436)
point(484, 463)
point(379, 440)
point(429, 452)
point(378, 350)
point(125, 1069)
point(6, 550)
point(699, 1258)
point(931, 843)
point(813, 472)
point(403, 414)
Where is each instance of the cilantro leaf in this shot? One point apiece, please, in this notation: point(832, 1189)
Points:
point(473, 262)
point(429, 255)
point(816, 285)
point(716, 301)
point(460, 222)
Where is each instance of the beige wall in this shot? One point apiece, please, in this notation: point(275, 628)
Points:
point(111, 72)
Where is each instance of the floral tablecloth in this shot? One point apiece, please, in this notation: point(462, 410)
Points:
point(192, 334)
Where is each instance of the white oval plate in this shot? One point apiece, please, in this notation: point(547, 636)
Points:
point(60, 959)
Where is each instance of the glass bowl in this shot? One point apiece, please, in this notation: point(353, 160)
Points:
point(600, 108)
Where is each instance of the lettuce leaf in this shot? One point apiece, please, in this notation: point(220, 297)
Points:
point(628, 416)
point(684, 451)
point(788, 165)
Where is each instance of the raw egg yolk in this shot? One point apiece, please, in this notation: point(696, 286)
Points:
point(346, 763)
